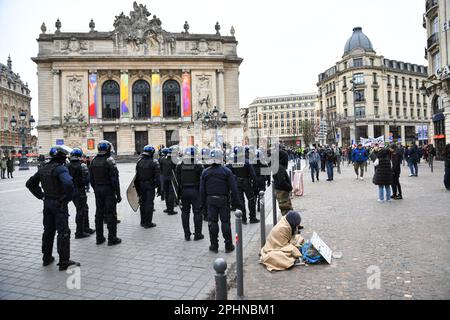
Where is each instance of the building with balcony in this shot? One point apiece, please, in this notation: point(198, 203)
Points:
point(375, 95)
point(294, 119)
point(14, 97)
point(136, 85)
point(437, 22)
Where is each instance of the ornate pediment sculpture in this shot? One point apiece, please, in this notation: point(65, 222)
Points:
point(74, 45)
point(140, 35)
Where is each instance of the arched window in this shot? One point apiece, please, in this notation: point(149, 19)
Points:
point(437, 105)
point(171, 99)
point(141, 99)
point(111, 100)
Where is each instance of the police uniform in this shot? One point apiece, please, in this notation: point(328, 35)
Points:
point(216, 183)
point(147, 179)
point(57, 185)
point(245, 176)
point(105, 181)
point(167, 168)
point(188, 176)
point(80, 176)
point(261, 180)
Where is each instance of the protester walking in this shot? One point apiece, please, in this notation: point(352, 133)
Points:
point(314, 159)
point(3, 167)
point(359, 158)
point(10, 166)
point(396, 159)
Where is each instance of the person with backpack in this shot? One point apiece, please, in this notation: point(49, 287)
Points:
point(359, 157)
point(383, 176)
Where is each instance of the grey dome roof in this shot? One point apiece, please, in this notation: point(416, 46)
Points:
point(358, 40)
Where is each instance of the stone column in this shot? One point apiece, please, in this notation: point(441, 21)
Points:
point(56, 97)
point(386, 132)
point(371, 131)
point(403, 135)
point(221, 90)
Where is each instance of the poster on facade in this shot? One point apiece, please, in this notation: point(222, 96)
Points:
point(91, 144)
point(124, 94)
point(93, 95)
point(187, 108)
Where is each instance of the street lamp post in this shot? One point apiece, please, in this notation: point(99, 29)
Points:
point(23, 130)
point(212, 120)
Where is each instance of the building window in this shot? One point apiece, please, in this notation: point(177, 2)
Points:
point(389, 96)
point(397, 112)
point(375, 94)
point(358, 62)
point(376, 111)
point(171, 99)
point(345, 113)
point(345, 97)
point(396, 81)
point(405, 113)
point(358, 78)
point(397, 100)
point(344, 80)
point(360, 112)
point(435, 25)
point(110, 100)
point(389, 80)
point(436, 58)
point(390, 111)
point(375, 78)
point(141, 99)
point(359, 96)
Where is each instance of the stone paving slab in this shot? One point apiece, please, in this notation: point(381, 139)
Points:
point(150, 264)
point(408, 241)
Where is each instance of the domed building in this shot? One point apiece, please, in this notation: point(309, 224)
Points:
point(374, 95)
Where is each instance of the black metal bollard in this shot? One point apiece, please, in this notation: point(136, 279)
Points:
point(274, 205)
point(239, 256)
point(262, 217)
point(220, 265)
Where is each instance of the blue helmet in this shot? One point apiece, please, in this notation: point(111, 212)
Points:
point(216, 156)
point(165, 151)
point(104, 147)
point(149, 151)
point(59, 152)
point(76, 154)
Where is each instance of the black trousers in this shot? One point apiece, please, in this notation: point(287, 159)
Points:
point(147, 203)
point(244, 188)
point(56, 219)
point(105, 202)
point(396, 187)
point(190, 197)
point(169, 194)
point(81, 219)
point(218, 208)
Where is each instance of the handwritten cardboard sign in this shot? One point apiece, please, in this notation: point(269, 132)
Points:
point(321, 246)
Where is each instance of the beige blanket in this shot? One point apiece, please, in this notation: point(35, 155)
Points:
point(280, 251)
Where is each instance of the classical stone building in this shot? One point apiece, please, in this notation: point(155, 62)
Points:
point(384, 94)
point(289, 118)
point(135, 85)
point(437, 22)
point(14, 97)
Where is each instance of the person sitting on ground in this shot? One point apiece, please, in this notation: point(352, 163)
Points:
point(282, 246)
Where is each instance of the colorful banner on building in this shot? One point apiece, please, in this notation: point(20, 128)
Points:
point(93, 95)
point(124, 94)
point(156, 95)
point(91, 144)
point(187, 107)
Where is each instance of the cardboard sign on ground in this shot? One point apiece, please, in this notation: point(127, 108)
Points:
point(321, 246)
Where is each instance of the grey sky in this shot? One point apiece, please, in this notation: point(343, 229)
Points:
point(285, 44)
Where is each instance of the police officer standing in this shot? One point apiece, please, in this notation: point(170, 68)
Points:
point(147, 179)
point(167, 171)
point(246, 178)
point(216, 183)
point(188, 174)
point(80, 175)
point(57, 186)
point(105, 182)
point(262, 171)
point(206, 164)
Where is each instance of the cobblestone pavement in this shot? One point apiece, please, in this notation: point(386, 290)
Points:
point(408, 241)
point(149, 264)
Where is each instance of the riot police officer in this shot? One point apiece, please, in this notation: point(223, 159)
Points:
point(105, 182)
point(262, 171)
point(147, 180)
point(57, 185)
point(246, 178)
point(188, 174)
point(80, 175)
point(216, 183)
point(167, 174)
point(206, 164)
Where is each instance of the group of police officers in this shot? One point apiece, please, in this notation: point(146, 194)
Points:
point(210, 182)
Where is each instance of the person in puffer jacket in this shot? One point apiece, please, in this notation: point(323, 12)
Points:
point(359, 158)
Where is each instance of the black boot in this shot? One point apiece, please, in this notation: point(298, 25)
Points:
point(198, 236)
point(81, 235)
point(48, 261)
point(66, 264)
point(229, 248)
point(214, 249)
point(114, 241)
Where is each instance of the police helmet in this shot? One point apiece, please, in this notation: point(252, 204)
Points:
point(149, 151)
point(189, 152)
point(206, 153)
point(104, 147)
point(60, 152)
point(76, 154)
point(216, 156)
point(165, 151)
